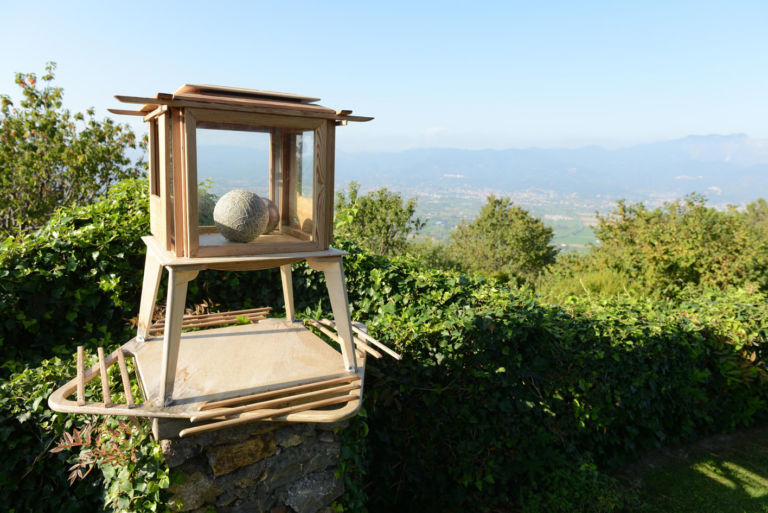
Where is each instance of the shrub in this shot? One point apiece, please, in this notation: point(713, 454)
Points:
point(499, 402)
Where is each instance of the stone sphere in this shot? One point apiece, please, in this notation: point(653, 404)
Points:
point(240, 215)
point(274, 215)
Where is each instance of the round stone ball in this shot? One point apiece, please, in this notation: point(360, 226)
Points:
point(274, 215)
point(240, 215)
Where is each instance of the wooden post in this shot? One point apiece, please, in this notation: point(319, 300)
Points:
point(104, 378)
point(174, 313)
point(125, 378)
point(287, 278)
point(80, 376)
point(153, 271)
point(333, 269)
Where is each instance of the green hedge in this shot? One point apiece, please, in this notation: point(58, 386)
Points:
point(500, 400)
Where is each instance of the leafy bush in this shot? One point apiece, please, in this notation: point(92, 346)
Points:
point(76, 280)
point(663, 251)
point(47, 160)
point(529, 404)
point(379, 221)
point(31, 478)
point(504, 240)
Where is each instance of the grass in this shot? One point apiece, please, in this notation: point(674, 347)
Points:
point(725, 474)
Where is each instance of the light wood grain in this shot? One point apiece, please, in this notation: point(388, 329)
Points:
point(153, 272)
point(262, 405)
point(190, 160)
point(304, 108)
point(178, 183)
point(80, 376)
point(268, 414)
point(240, 91)
point(166, 172)
point(124, 376)
point(333, 270)
point(365, 336)
point(104, 378)
point(282, 109)
point(335, 337)
point(280, 391)
point(124, 112)
point(177, 293)
point(254, 119)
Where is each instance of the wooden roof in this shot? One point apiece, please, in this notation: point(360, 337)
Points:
point(235, 98)
point(243, 93)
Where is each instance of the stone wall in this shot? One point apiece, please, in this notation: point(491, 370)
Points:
point(260, 467)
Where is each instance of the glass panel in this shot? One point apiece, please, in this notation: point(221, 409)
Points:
point(233, 158)
point(300, 219)
point(305, 150)
point(154, 160)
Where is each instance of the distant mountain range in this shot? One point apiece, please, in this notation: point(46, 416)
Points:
point(727, 168)
point(562, 186)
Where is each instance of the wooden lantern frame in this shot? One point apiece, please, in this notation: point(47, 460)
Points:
point(304, 380)
point(173, 164)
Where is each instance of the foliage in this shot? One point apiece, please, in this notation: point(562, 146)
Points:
point(530, 404)
point(433, 255)
point(504, 241)
point(206, 202)
point(756, 216)
point(31, 478)
point(50, 157)
point(665, 251)
point(352, 466)
point(135, 476)
point(379, 221)
point(683, 243)
point(74, 281)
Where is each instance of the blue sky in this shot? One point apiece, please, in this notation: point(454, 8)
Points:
point(434, 74)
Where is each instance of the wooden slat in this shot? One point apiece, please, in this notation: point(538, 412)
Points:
point(166, 172)
point(142, 100)
point(80, 376)
point(209, 324)
point(221, 314)
point(161, 109)
point(335, 337)
point(124, 375)
point(269, 414)
point(365, 336)
point(239, 91)
point(253, 106)
point(192, 187)
point(213, 114)
point(254, 102)
point(124, 112)
point(179, 231)
point(278, 392)
point(262, 405)
point(356, 118)
point(222, 318)
point(104, 378)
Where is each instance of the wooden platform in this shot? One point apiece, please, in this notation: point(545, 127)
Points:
point(227, 362)
point(271, 370)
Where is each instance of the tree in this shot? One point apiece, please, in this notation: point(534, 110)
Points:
point(684, 243)
point(504, 241)
point(50, 157)
point(379, 221)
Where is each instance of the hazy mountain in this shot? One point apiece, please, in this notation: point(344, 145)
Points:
point(731, 168)
point(563, 186)
point(727, 168)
